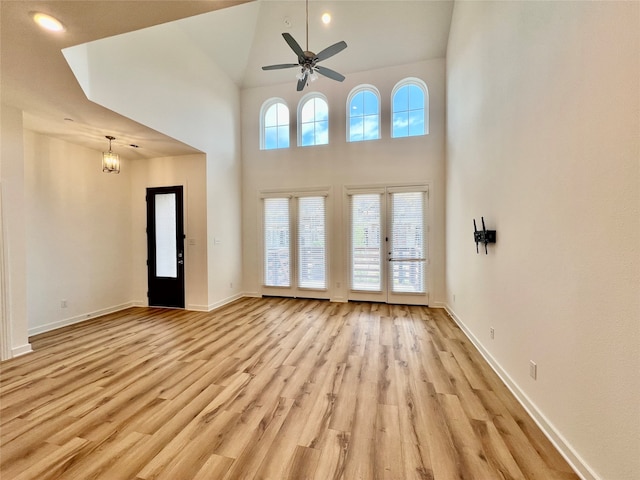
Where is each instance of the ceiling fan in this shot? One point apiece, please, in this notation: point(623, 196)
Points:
point(307, 60)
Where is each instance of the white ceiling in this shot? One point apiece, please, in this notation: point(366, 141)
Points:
point(35, 77)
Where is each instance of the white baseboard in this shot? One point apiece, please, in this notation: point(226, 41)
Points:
point(197, 308)
point(79, 318)
point(223, 302)
point(21, 350)
point(555, 437)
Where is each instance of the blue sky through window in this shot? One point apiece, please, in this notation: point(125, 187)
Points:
point(364, 119)
point(314, 122)
point(408, 111)
point(276, 127)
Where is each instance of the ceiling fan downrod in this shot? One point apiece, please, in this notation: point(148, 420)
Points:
point(307, 60)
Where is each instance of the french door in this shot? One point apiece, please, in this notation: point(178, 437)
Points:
point(388, 245)
point(295, 245)
point(165, 247)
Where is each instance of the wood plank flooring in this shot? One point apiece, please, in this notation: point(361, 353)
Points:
point(265, 389)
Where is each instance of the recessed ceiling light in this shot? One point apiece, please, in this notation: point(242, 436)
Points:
point(47, 22)
point(326, 18)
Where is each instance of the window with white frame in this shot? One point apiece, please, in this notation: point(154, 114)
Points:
point(295, 241)
point(410, 108)
point(363, 114)
point(274, 125)
point(313, 120)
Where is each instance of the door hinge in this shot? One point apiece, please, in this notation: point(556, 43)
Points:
point(147, 294)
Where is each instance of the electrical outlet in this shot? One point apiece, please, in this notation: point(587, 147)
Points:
point(533, 370)
point(230, 284)
point(492, 333)
point(454, 298)
point(63, 304)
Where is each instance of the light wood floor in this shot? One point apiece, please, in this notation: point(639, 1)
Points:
point(265, 389)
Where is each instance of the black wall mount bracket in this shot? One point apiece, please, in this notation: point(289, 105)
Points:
point(483, 236)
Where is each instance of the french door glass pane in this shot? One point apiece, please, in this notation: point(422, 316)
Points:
point(407, 242)
point(365, 242)
point(311, 243)
point(166, 246)
point(277, 242)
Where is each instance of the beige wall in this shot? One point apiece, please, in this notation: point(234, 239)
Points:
point(193, 101)
point(542, 139)
point(190, 172)
point(339, 164)
point(85, 231)
point(78, 233)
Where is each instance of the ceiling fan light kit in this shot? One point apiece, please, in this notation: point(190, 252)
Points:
point(308, 61)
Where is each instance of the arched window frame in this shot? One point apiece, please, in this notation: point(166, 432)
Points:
point(423, 86)
point(303, 101)
point(352, 94)
point(263, 112)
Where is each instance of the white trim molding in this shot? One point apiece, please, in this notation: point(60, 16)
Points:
point(555, 437)
point(223, 302)
point(79, 318)
point(5, 325)
point(21, 350)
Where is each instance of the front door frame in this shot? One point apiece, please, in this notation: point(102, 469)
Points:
point(165, 291)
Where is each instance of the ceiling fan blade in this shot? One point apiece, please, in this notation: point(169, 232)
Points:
point(327, 72)
point(302, 82)
point(281, 65)
point(331, 51)
point(294, 45)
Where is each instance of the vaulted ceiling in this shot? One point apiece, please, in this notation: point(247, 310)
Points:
point(238, 35)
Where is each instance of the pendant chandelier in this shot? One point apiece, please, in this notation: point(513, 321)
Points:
point(110, 160)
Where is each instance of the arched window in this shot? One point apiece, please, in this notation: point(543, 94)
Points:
point(313, 120)
point(410, 108)
point(363, 112)
point(274, 124)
